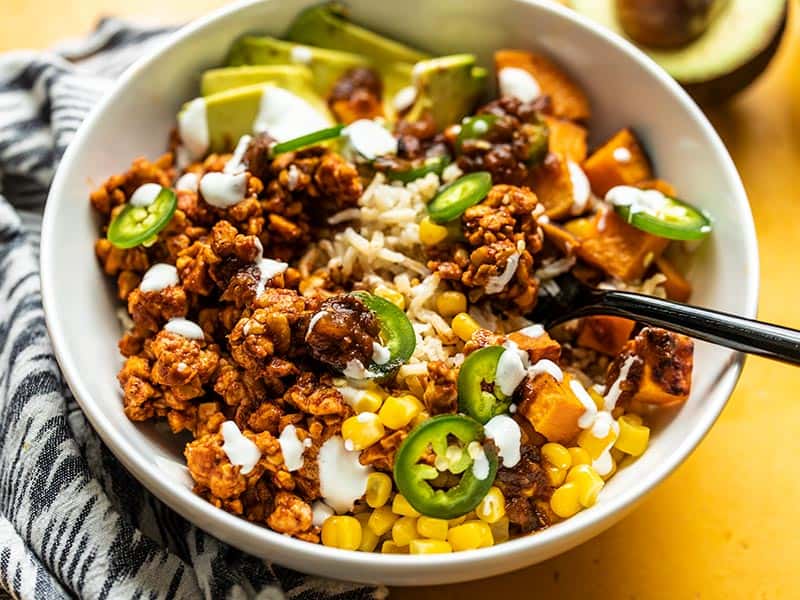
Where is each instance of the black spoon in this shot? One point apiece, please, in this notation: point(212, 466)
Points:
point(576, 299)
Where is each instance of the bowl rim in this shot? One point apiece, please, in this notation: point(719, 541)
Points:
point(232, 528)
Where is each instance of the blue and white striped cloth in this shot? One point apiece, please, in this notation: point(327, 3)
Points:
point(73, 521)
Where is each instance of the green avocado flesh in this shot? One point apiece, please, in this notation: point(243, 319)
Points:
point(291, 77)
point(738, 36)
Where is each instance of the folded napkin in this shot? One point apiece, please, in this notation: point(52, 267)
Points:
point(73, 521)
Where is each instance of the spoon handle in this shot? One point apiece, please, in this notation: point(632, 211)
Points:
point(739, 333)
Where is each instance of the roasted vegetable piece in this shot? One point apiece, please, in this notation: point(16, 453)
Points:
point(412, 475)
point(538, 347)
point(620, 161)
point(605, 334)
point(137, 223)
point(560, 238)
point(619, 249)
point(475, 380)
point(567, 99)
point(676, 285)
point(553, 186)
point(551, 407)
point(567, 139)
point(659, 368)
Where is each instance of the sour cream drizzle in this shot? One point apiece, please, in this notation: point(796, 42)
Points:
point(301, 55)
point(480, 463)
point(370, 139)
point(285, 115)
point(185, 327)
point(320, 513)
point(158, 277)
point(510, 370)
point(314, 320)
point(239, 449)
point(145, 194)
point(380, 354)
point(546, 366)
point(610, 400)
point(188, 181)
point(519, 84)
point(506, 435)
point(223, 190)
point(267, 268)
point(497, 283)
point(291, 448)
point(193, 127)
point(404, 98)
point(342, 479)
point(581, 190)
point(638, 200)
point(586, 420)
point(234, 164)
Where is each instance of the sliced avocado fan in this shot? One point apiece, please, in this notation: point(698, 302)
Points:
point(296, 78)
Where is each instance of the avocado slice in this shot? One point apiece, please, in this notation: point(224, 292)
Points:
point(284, 114)
point(734, 49)
point(448, 87)
point(327, 25)
point(326, 65)
point(290, 77)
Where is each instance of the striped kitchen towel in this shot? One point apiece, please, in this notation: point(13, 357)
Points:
point(73, 521)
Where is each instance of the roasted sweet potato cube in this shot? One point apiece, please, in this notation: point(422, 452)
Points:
point(567, 139)
point(620, 161)
point(553, 186)
point(567, 99)
point(676, 285)
point(562, 239)
point(619, 249)
point(537, 347)
point(551, 407)
point(657, 368)
point(605, 334)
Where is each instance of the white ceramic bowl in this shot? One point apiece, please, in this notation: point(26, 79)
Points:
point(625, 88)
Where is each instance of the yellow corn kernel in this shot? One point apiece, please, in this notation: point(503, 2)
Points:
point(429, 547)
point(500, 530)
point(341, 532)
point(457, 521)
point(367, 401)
point(579, 456)
point(420, 418)
point(381, 520)
point(400, 506)
point(369, 539)
point(633, 437)
point(404, 530)
point(589, 483)
point(389, 547)
point(564, 500)
point(431, 233)
point(633, 418)
point(398, 411)
point(393, 296)
point(379, 488)
point(492, 507)
point(593, 445)
point(555, 475)
point(450, 303)
point(429, 527)
point(362, 431)
point(470, 535)
point(464, 326)
point(557, 455)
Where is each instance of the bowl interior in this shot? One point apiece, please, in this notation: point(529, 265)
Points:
point(625, 90)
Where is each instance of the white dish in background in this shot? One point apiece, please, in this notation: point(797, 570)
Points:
point(626, 89)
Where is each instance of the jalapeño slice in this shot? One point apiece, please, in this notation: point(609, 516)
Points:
point(397, 334)
point(451, 202)
point(478, 396)
point(135, 225)
point(659, 214)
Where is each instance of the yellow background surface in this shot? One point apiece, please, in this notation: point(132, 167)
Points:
point(727, 523)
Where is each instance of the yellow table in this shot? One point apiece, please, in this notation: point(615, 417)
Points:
point(727, 523)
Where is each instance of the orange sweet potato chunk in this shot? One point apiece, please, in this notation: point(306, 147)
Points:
point(676, 285)
point(559, 237)
point(537, 347)
point(568, 100)
point(605, 334)
point(551, 407)
point(620, 161)
point(619, 249)
point(553, 186)
point(567, 139)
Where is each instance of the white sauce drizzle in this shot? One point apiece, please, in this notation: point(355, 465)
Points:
point(380, 354)
point(314, 320)
point(223, 189)
point(622, 154)
point(370, 139)
point(291, 448)
point(354, 369)
point(510, 371)
point(285, 115)
point(610, 400)
point(533, 331)
point(145, 194)
point(234, 164)
point(320, 513)
point(497, 283)
point(185, 327)
point(480, 464)
point(545, 365)
point(342, 479)
point(602, 425)
point(581, 190)
point(158, 277)
point(519, 84)
point(404, 98)
point(506, 435)
point(240, 450)
point(267, 268)
point(638, 200)
point(193, 127)
point(586, 420)
point(188, 181)
point(301, 55)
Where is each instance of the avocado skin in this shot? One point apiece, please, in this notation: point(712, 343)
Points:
point(292, 77)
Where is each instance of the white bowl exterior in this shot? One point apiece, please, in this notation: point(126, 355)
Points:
point(626, 89)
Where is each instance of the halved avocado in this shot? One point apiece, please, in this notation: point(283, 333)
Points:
point(734, 49)
point(327, 25)
point(448, 87)
point(291, 77)
point(326, 65)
